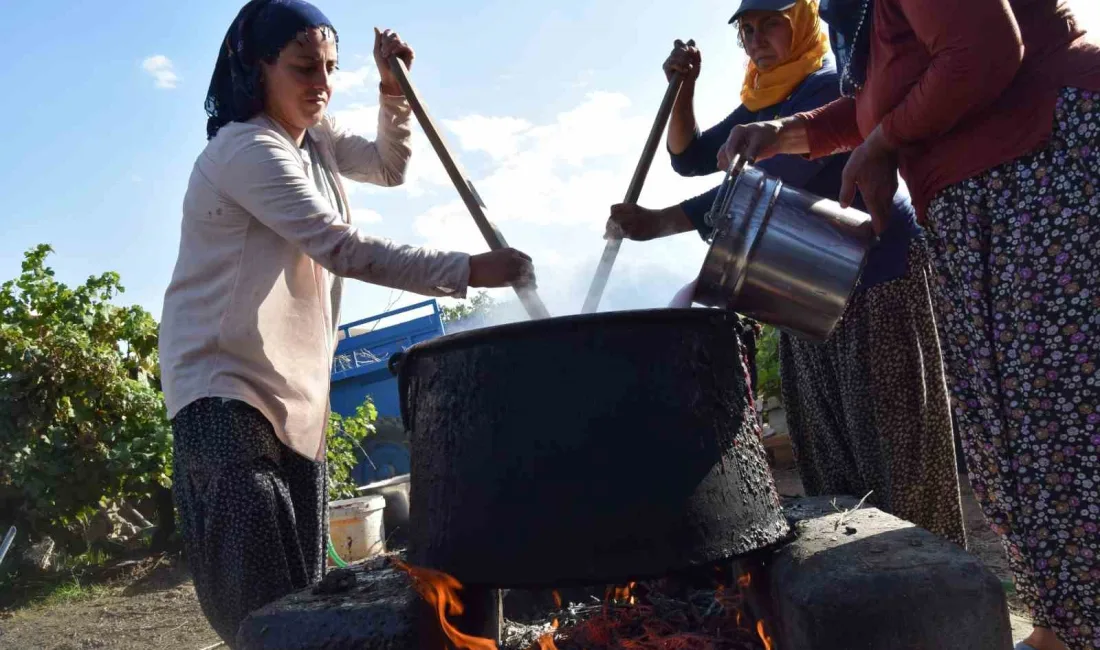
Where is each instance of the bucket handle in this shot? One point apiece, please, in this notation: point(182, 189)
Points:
point(396, 360)
point(725, 193)
point(755, 234)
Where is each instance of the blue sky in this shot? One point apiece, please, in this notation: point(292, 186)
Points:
point(548, 105)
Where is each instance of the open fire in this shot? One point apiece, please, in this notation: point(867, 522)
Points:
point(440, 591)
point(654, 615)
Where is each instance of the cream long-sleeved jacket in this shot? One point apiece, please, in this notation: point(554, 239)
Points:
point(251, 312)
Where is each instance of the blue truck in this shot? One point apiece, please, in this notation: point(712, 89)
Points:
point(361, 369)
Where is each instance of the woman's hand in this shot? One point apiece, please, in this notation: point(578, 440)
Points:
point(763, 140)
point(505, 267)
point(873, 170)
point(636, 223)
point(685, 59)
point(388, 44)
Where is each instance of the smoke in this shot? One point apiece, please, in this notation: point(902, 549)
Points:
point(645, 276)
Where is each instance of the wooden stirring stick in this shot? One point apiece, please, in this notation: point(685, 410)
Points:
point(611, 250)
point(528, 296)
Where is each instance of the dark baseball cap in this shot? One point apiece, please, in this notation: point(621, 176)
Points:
point(761, 5)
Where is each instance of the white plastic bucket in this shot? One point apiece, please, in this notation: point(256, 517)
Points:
point(396, 493)
point(355, 526)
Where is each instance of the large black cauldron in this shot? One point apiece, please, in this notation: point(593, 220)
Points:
point(586, 449)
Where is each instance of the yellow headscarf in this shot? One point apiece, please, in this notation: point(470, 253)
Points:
point(809, 46)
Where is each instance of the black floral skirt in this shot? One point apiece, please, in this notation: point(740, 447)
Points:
point(869, 411)
point(1018, 256)
point(254, 514)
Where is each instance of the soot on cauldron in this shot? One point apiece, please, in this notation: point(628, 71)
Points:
point(592, 449)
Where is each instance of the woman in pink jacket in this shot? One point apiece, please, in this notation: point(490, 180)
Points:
point(990, 109)
point(249, 325)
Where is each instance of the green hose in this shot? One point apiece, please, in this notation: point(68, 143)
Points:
point(335, 558)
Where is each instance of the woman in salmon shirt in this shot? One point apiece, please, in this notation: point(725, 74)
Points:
point(990, 110)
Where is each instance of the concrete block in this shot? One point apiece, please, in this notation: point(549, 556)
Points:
point(865, 580)
point(367, 608)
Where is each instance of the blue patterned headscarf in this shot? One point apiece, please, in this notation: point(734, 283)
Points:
point(850, 23)
point(261, 30)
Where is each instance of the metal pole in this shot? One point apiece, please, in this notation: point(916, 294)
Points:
point(8, 539)
point(611, 249)
point(529, 297)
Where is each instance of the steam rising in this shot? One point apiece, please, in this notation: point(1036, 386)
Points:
point(638, 281)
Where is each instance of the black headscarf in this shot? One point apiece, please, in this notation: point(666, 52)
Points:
point(261, 30)
point(850, 23)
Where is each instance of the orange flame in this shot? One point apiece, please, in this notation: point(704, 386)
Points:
point(744, 581)
point(622, 594)
point(441, 592)
point(557, 599)
point(764, 636)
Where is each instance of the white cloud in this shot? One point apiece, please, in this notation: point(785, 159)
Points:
point(499, 137)
point(567, 172)
point(350, 81)
point(549, 188)
point(162, 70)
point(361, 216)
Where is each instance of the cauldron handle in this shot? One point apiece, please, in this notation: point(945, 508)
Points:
point(396, 365)
point(395, 362)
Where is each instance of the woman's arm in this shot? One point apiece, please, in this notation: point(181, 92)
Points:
point(976, 51)
point(682, 127)
point(687, 61)
point(829, 130)
point(266, 178)
point(824, 131)
point(383, 161)
point(700, 157)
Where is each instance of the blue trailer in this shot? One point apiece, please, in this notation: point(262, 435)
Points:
point(361, 369)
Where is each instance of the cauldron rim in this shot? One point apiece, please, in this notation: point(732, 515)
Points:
point(533, 328)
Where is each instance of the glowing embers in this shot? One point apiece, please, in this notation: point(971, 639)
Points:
point(651, 615)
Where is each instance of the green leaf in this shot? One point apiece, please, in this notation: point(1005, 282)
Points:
point(80, 421)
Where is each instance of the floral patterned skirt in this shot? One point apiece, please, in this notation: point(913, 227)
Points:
point(1018, 257)
point(869, 411)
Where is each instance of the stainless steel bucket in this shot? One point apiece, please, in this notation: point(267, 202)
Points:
point(781, 255)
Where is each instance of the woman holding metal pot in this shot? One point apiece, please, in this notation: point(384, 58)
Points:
point(249, 325)
point(868, 410)
point(990, 110)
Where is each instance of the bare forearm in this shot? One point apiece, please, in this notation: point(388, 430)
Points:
point(675, 221)
point(794, 137)
point(682, 125)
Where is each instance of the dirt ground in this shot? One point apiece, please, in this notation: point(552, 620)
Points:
point(153, 605)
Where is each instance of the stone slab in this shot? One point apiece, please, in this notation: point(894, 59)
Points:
point(863, 579)
point(367, 608)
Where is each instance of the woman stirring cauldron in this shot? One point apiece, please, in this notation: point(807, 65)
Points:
point(868, 410)
point(249, 325)
point(990, 109)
